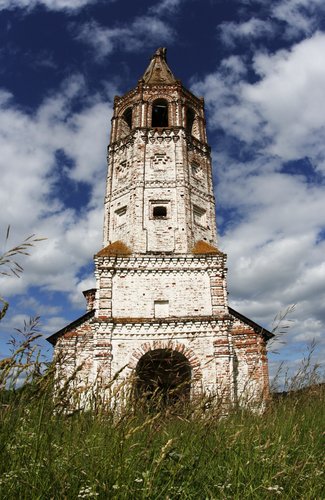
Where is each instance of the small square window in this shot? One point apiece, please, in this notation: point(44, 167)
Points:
point(159, 209)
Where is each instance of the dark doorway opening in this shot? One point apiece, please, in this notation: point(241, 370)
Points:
point(159, 113)
point(163, 378)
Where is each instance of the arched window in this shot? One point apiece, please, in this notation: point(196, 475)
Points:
point(159, 113)
point(190, 116)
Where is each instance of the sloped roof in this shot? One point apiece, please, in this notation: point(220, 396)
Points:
point(77, 322)
point(202, 247)
point(266, 334)
point(158, 70)
point(116, 248)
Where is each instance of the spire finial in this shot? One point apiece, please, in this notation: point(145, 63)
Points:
point(161, 52)
point(158, 70)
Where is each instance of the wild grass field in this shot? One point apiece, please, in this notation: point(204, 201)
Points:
point(171, 454)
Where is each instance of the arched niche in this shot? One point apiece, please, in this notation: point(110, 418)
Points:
point(159, 115)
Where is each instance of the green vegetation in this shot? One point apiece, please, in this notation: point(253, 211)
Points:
point(46, 453)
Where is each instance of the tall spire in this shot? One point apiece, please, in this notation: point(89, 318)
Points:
point(158, 70)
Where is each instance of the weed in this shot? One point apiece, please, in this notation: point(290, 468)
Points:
point(190, 454)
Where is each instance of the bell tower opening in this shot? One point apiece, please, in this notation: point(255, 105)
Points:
point(190, 116)
point(159, 113)
point(127, 117)
point(163, 378)
point(125, 123)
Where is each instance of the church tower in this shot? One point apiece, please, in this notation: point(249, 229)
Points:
point(159, 313)
point(159, 195)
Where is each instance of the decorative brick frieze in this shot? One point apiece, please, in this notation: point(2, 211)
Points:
point(204, 327)
point(186, 261)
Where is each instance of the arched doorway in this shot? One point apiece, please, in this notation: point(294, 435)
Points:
point(163, 377)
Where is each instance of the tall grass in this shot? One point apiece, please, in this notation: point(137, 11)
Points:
point(46, 453)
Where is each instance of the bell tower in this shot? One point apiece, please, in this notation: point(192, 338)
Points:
point(159, 195)
point(159, 313)
point(159, 207)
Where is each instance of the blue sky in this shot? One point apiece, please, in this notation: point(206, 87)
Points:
point(260, 66)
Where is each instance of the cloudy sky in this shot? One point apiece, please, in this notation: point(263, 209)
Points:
point(260, 66)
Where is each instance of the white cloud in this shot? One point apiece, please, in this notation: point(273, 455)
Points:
point(163, 7)
point(166, 7)
point(30, 203)
point(274, 257)
point(290, 98)
point(283, 110)
point(287, 19)
point(76, 296)
point(141, 32)
point(49, 4)
point(301, 17)
point(254, 28)
point(33, 305)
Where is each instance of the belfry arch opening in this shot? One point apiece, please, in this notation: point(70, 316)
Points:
point(163, 378)
point(159, 113)
point(127, 117)
point(190, 116)
point(125, 123)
